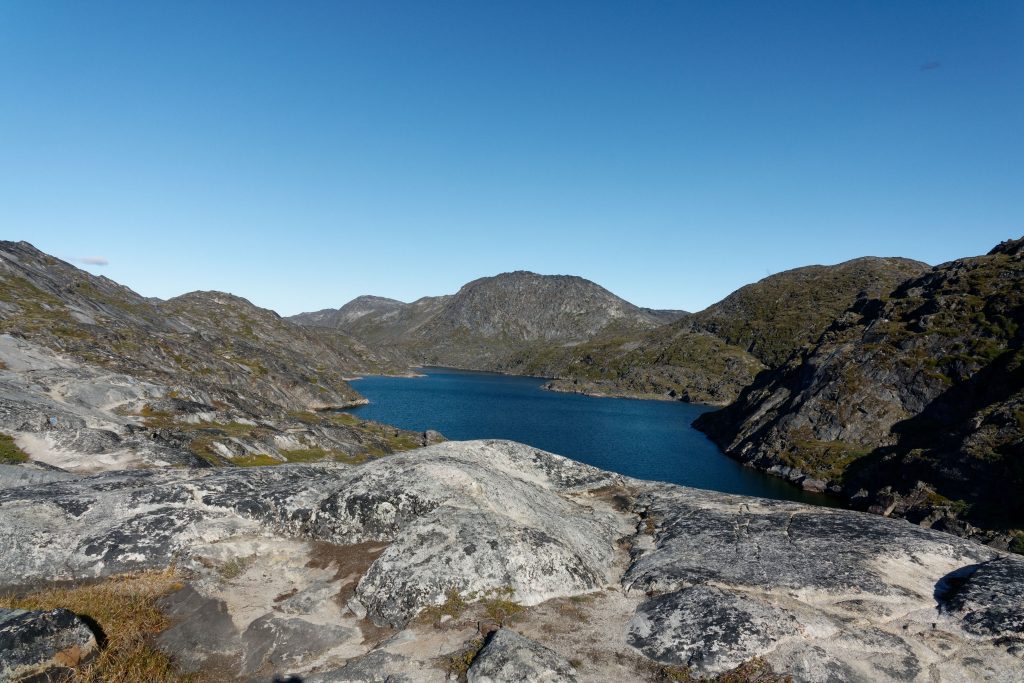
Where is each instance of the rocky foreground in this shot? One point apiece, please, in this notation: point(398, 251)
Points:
point(498, 562)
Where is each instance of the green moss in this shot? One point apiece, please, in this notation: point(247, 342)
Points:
point(1017, 544)
point(234, 567)
point(307, 455)
point(344, 419)
point(453, 606)
point(457, 663)
point(825, 460)
point(499, 606)
point(10, 454)
point(255, 460)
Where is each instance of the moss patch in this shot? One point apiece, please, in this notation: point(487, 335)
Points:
point(826, 460)
point(10, 454)
point(255, 460)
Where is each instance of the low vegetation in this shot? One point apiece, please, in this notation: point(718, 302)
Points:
point(234, 567)
point(496, 605)
point(756, 670)
point(10, 454)
point(124, 611)
point(499, 606)
point(457, 663)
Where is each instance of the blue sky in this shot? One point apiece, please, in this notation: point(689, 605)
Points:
point(300, 154)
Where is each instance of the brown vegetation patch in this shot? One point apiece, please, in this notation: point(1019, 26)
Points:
point(350, 562)
point(123, 610)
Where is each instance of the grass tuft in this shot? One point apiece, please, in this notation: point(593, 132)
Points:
point(457, 663)
point(124, 608)
point(234, 567)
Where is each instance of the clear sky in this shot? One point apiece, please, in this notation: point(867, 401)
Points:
point(300, 154)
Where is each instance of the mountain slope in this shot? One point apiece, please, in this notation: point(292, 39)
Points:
point(667, 362)
point(912, 403)
point(357, 308)
point(710, 356)
point(90, 368)
point(491, 319)
point(225, 343)
point(775, 316)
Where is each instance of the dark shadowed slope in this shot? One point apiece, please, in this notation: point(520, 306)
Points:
point(912, 402)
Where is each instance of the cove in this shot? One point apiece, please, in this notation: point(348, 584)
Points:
point(643, 439)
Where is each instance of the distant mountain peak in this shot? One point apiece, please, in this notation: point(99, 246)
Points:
point(490, 318)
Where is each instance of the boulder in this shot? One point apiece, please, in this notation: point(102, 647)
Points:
point(509, 657)
point(42, 645)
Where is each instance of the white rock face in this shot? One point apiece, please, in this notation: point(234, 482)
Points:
point(333, 566)
point(62, 412)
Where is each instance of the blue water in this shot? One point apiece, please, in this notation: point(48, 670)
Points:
point(644, 439)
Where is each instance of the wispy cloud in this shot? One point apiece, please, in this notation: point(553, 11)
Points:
point(929, 66)
point(93, 261)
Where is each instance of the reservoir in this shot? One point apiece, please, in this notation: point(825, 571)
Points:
point(643, 439)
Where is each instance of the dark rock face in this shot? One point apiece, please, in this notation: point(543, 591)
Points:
point(912, 404)
point(707, 629)
point(988, 598)
point(508, 656)
point(42, 645)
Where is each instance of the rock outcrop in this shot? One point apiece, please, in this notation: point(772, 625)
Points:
point(82, 417)
point(374, 572)
point(910, 404)
point(207, 344)
point(42, 646)
point(508, 656)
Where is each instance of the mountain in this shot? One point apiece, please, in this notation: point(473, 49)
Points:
point(710, 356)
point(89, 367)
point(359, 307)
point(490, 319)
point(911, 403)
point(668, 362)
point(772, 318)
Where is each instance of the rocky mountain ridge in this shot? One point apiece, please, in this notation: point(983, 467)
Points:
point(94, 376)
point(149, 424)
point(911, 403)
point(490, 319)
point(710, 356)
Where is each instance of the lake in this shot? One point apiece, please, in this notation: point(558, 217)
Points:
point(643, 439)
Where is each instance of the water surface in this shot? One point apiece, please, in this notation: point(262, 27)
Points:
point(644, 439)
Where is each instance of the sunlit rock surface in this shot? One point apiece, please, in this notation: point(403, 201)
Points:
point(337, 572)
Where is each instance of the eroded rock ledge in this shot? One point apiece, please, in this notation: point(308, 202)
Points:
point(335, 572)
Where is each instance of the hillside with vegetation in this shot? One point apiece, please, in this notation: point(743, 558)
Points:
point(710, 356)
point(93, 375)
point(911, 403)
point(490, 321)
